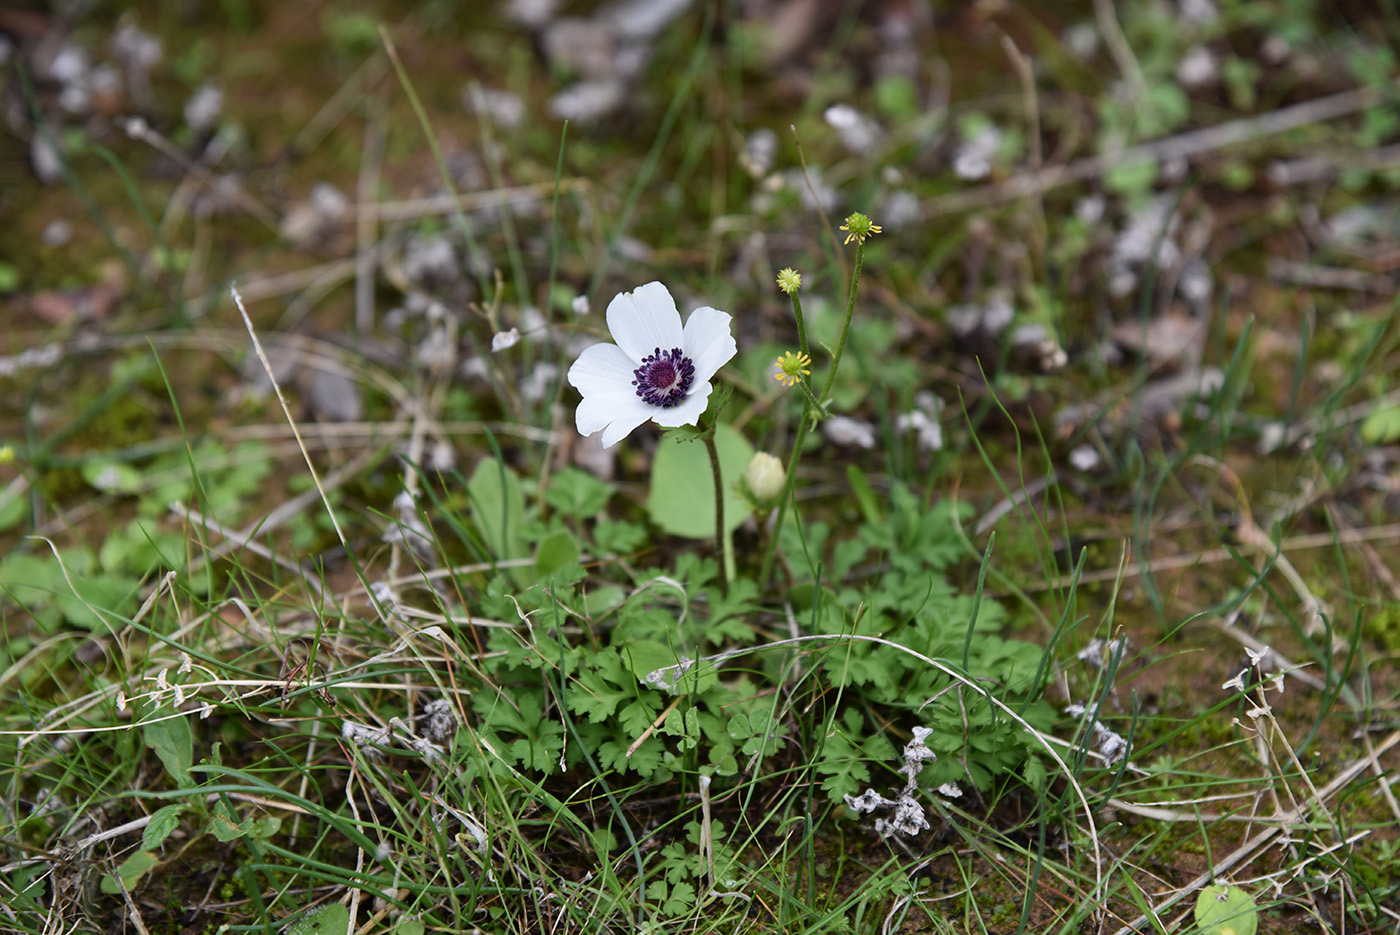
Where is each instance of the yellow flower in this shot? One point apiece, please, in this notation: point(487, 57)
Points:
point(859, 228)
point(789, 280)
point(791, 367)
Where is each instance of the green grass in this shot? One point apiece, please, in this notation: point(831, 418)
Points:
point(429, 672)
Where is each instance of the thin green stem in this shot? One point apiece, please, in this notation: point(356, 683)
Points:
point(845, 325)
point(726, 548)
point(812, 405)
point(789, 486)
point(801, 323)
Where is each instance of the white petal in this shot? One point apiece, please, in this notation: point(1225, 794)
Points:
point(645, 319)
point(599, 409)
point(708, 342)
point(688, 412)
point(602, 368)
point(625, 420)
point(615, 414)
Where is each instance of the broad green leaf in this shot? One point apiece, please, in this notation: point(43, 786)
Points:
point(498, 508)
point(98, 596)
point(27, 578)
point(557, 550)
point(333, 919)
point(130, 871)
point(600, 601)
point(864, 494)
point(1382, 426)
point(1226, 910)
point(163, 821)
point(682, 497)
point(111, 476)
point(646, 656)
point(170, 738)
point(14, 509)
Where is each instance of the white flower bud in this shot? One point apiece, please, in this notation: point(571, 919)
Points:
point(766, 476)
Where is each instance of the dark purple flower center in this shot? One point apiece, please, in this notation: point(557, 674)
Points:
point(664, 378)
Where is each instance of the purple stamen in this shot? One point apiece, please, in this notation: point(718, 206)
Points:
point(664, 378)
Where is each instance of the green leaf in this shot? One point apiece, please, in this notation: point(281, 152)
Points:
point(498, 508)
point(578, 493)
point(333, 919)
point(618, 536)
point(141, 548)
point(864, 494)
point(1132, 177)
point(14, 509)
point(1382, 426)
point(163, 821)
point(682, 497)
point(600, 688)
point(172, 741)
point(224, 825)
point(557, 550)
point(896, 96)
point(114, 594)
point(130, 871)
point(600, 601)
point(646, 656)
point(1226, 910)
point(637, 716)
point(1164, 108)
point(111, 476)
point(409, 927)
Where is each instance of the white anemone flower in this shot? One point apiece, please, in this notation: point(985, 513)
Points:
point(657, 370)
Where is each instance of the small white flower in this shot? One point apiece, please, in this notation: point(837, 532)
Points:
point(186, 664)
point(1237, 683)
point(580, 305)
point(121, 701)
point(161, 683)
point(206, 710)
point(504, 339)
point(657, 370)
point(1277, 681)
point(1258, 711)
point(848, 432)
point(1084, 458)
point(1255, 655)
point(951, 790)
point(179, 694)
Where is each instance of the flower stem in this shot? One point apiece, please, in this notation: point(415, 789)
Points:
point(726, 547)
point(801, 323)
point(788, 488)
point(845, 325)
point(811, 408)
